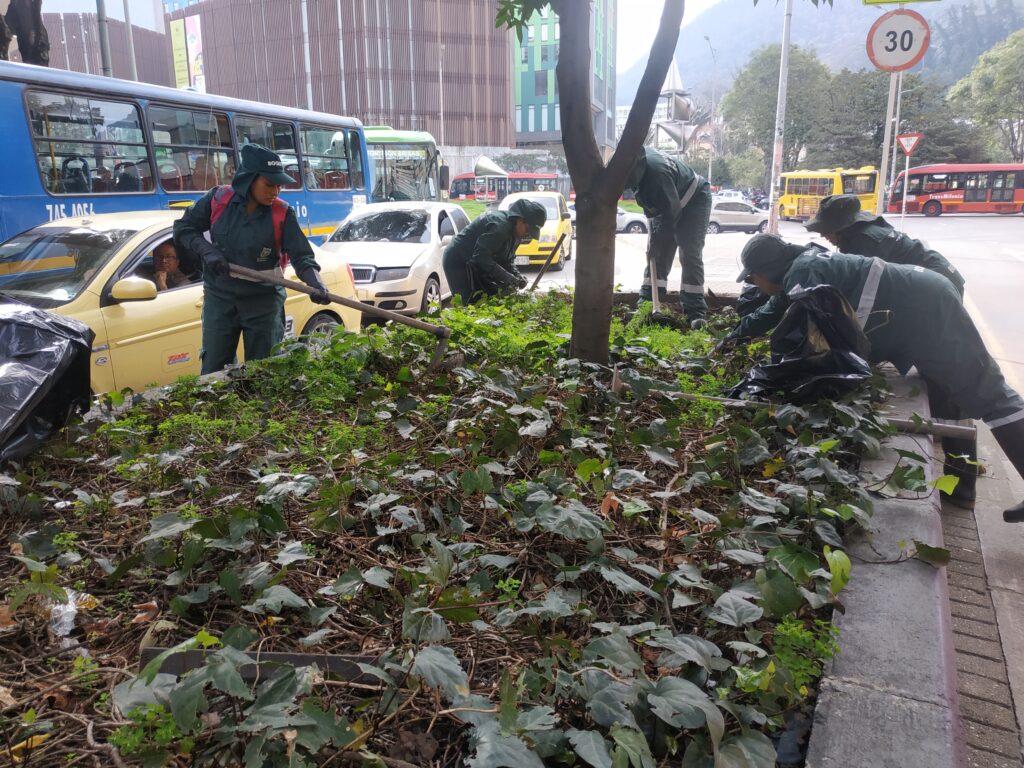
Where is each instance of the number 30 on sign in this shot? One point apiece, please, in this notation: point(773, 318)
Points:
point(898, 40)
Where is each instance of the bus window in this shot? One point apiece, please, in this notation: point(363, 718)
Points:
point(861, 184)
point(276, 136)
point(976, 189)
point(192, 149)
point(324, 161)
point(88, 146)
point(1002, 187)
point(356, 154)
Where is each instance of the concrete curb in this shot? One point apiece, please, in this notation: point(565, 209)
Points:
point(889, 699)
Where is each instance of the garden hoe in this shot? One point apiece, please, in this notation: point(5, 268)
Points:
point(656, 316)
point(551, 257)
point(442, 333)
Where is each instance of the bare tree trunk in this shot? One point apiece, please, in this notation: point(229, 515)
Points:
point(597, 186)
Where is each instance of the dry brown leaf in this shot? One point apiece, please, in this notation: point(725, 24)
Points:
point(6, 622)
point(609, 504)
point(17, 549)
point(656, 544)
point(147, 612)
point(103, 626)
point(6, 697)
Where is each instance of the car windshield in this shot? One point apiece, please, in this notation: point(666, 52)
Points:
point(549, 203)
point(48, 267)
point(386, 226)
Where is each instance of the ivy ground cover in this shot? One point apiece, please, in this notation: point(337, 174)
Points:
point(529, 561)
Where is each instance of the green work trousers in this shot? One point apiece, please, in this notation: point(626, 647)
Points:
point(685, 233)
point(258, 319)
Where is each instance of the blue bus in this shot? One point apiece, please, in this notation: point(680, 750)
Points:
point(79, 145)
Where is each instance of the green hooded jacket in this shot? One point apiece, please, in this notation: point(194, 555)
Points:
point(878, 238)
point(660, 183)
point(247, 241)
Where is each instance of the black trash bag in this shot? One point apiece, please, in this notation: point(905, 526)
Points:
point(44, 367)
point(751, 298)
point(818, 350)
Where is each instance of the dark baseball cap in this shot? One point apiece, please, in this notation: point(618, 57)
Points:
point(260, 160)
point(768, 256)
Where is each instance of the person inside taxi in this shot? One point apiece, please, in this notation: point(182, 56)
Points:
point(167, 272)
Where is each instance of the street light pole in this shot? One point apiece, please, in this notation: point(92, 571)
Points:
point(440, 72)
point(780, 123)
point(131, 41)
point(714, 74)
point(896, 127)
point(101, 22)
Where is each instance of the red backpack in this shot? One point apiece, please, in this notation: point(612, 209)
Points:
point(222, 196)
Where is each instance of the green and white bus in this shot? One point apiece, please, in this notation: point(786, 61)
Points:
point(404, 165)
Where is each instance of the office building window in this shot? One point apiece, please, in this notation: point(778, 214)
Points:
point(524, 55)
point(558, 31)
point(543, 33)
point(558, 116)
point(538, 117)
point(532, 118)
point(519, 118)
point(545, 56)
point(529, 34)
point(540, 83)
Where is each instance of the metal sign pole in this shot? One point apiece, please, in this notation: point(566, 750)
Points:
point(886, 143)
point(906, 187)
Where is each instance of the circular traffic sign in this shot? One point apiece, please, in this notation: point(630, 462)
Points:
point(898, 40)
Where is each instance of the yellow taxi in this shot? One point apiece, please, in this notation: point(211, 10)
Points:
point(535, 252)
point(100, 270)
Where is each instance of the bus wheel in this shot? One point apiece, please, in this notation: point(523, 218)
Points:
point(782, 213)
point(932, 208)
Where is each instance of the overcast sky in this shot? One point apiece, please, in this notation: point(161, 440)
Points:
point(638, 21)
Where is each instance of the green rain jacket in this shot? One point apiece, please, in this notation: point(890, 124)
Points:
point(488, 245)
point(878, 238)
point(911, 316)
point(660, 183)
point(247, 241)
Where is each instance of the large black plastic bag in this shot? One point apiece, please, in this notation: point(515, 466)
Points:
point(751, 298)
point(44, 376)
point(817, 350)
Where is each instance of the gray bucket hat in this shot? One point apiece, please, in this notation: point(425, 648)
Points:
point(836, 213)
point(767, 255)
point(532, 212)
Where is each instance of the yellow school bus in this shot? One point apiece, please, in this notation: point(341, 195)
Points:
point(800, 192)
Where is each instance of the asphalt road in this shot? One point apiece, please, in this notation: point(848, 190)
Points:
point(989, 250)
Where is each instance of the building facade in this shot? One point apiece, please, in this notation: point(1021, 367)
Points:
point(429, 65)
point(537, 120)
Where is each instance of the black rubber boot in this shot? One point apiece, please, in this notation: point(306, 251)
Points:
point(962, 463)
point(1011, 439)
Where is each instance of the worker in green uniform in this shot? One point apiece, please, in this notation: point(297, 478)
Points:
point(841, 221)
point(244, 234)
point(481, 258)
point(911, 316)
point(677, 203)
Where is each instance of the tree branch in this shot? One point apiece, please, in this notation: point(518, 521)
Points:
point(573, 71)
point(647, 95)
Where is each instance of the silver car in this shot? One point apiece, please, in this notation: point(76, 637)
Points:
point(625, 221)
point(736, 216)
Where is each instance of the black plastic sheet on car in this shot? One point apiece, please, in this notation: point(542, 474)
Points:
point(44, 376)
point(817, 350)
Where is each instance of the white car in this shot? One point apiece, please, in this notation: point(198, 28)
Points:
point(732, 195)
point(734, 216)
point(625, 221)
point(395, 252)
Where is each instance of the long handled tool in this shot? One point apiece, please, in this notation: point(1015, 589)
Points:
point(551, 257)
point(443, 333)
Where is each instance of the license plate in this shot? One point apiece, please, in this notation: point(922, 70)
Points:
point(289, 327)
point(522, 261)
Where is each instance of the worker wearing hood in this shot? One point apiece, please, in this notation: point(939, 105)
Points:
point(913, 317)
point(481, 258)
point(851, 230)
point(677, 203)
point(244, 234)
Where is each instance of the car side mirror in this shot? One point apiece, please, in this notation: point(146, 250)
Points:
point(445, 177)
point(447, 239)
point(133, 289)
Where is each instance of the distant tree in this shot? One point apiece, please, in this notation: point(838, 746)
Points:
point(533, 162)
point(747, 168)
point(992, 95)
point(749, 107)
point(963, 32)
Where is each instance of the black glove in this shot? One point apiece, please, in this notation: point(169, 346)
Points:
point(214, 262)
point(521, 281)
point(311, 277)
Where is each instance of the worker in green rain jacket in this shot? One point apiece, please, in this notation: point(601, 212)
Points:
point(244, 235)
point(481, 258)
point(912, 317)
point(841, 221)
point(677, 203)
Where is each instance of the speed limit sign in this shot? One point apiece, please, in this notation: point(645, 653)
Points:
point(898, 40)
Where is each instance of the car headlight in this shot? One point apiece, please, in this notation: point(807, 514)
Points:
point(392, 273)
point(547, 238)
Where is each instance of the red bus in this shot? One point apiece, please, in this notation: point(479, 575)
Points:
point(949, 188)
point(467, 186)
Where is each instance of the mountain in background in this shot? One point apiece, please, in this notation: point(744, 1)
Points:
point(961, 30)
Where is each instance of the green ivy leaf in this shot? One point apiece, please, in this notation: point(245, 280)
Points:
point(293, 552)
point(839, 566)
point(752, 749)
point(734, 610)
point(682, 704)
point(625, 583)
point(634, 744)
point(438, 667)
point(274, 599)
point(493, 750)
point(591, 747)
point(945, 484)
point(166, 526)
point(615, 650)
point(935, 556)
